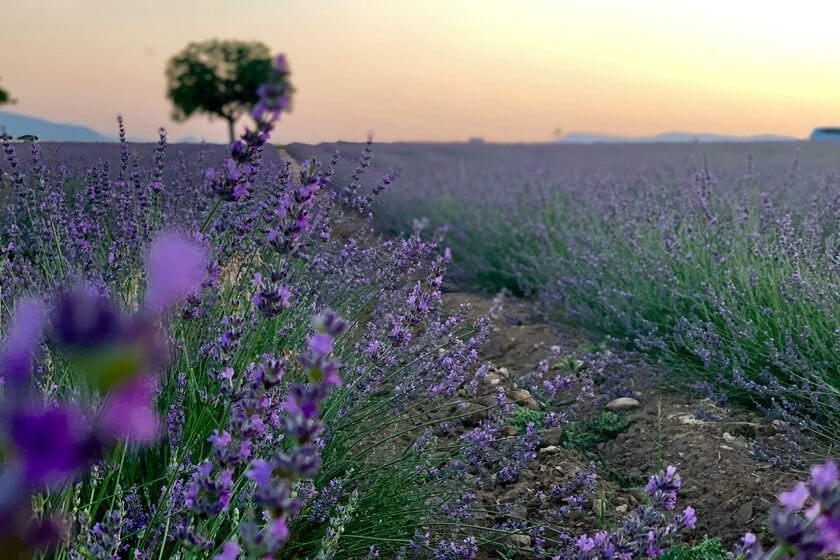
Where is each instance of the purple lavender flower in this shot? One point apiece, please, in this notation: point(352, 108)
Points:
point(274, 95)
point(176, 268)
point(16, 356)
point(129, 412)
point(824, 476)
point(794, 499)
point(50, 444)
point(83, 319)
point(807, 535)
point(230, 551)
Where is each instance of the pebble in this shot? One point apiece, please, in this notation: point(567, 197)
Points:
point(549, 449)
point(552, 436)
point(622, 508)
point(622, 404)
point(520, 540)
point(492, 379)
point(744, 514)
point(690, 419)
point(523, 397)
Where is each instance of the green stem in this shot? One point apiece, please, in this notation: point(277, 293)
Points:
point(210, 215)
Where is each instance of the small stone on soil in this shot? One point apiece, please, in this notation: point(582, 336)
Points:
point(623, 403)
point(523, 397)
point(551, 436)
point(520, 540)
point(492, 379)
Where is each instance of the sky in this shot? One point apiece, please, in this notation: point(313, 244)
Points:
point(443, 70)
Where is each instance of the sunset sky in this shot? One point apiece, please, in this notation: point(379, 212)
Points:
point(444, 70)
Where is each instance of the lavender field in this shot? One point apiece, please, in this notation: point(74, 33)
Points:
point(243, 352)
point(720, 260)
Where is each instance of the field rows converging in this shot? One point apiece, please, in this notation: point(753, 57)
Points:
point(427, 351)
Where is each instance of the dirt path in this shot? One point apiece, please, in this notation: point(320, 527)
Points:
point(711, 447)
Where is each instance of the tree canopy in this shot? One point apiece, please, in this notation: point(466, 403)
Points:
point(5, 97)
point(218, 78)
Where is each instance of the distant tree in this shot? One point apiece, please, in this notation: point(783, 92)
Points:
point(5, 97)
point(219, 78)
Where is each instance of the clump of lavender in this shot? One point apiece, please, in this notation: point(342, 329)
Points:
point(724, 276)
point(273, 493)
point(649, 531)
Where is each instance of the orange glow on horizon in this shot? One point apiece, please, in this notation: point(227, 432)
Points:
point(444, 71)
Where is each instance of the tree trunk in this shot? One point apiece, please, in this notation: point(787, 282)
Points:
point(230, 121)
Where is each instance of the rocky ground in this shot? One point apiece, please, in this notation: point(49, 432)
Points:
point(711, 447)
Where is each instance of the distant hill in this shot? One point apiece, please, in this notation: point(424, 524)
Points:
point(18, 125)
point(583, 138)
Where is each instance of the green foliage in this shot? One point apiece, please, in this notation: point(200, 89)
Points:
point(524, 416)
point(586, 436)
point(707, 549)
point(219, 78)
point(5, 97)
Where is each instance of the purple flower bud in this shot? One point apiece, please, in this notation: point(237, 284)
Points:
point(823, 477)
point(279, 529)
point(321, 344)
point(220, 441)
point(795, 498)
point(261, 473)
point(129, 411)
point(16, 357)
point(230, 551)
point(84, 319)
point(689, 518)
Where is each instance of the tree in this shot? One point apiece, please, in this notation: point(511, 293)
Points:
point(5, 97)
point(219, 78)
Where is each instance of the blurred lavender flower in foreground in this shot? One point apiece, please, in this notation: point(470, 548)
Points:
point(802, 535)
point(46, 444)
point(175, 269)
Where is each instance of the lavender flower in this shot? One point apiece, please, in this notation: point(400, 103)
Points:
point(807, 534)
point(176, 268)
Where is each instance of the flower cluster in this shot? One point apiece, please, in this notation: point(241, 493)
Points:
point(236, 178)
point(646, 534)
point(272, 437)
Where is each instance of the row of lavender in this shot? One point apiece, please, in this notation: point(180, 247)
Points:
point(720, 261)
point(200, 361)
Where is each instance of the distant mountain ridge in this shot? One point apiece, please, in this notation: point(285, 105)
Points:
point(18, 125)
point(584, 138)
